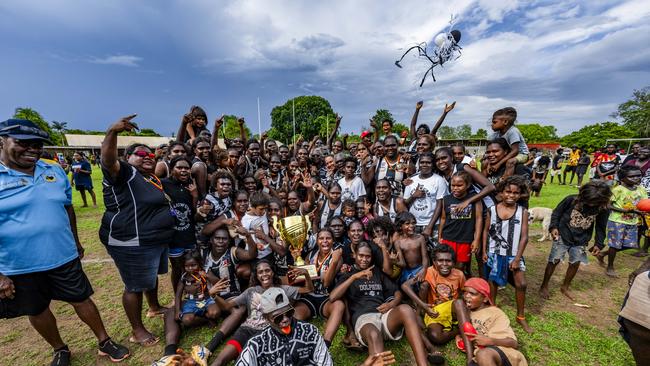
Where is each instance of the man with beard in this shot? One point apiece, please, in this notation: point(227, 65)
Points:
point(285, 155)
point(391, 166)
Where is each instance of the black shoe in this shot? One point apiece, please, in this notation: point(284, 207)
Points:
point(61, 357)
point(115, 351)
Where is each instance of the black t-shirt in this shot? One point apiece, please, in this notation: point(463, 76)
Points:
point(364, 296)
point(520, 169)
point(377, 256)
point(459, 227)
point(576, 227)
point(137, 211)
point(181, 203)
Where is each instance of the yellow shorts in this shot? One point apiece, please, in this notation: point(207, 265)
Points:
point(444, 318)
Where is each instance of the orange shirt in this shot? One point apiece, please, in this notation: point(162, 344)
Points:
point(444, 288)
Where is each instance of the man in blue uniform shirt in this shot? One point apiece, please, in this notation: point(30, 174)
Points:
point(39, 249)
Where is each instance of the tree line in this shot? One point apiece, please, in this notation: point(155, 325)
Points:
point(314, 115)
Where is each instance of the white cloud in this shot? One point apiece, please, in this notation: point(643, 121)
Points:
point(122, 60)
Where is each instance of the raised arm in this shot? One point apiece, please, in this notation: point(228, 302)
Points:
point(214, 140)
point(182, 129)
point(109, 158)
point(448, 108)
point(332, 136)
point(242, 131)
point(414, 119)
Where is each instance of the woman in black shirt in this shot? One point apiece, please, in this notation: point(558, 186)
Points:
point(137, 225)
point(183, 198)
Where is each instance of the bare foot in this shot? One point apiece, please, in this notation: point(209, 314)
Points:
point(567, 293)
point(601, 260)
point(543, 293)
point(611, 273)
point(524, 324)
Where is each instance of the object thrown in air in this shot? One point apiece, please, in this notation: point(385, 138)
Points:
point(446, 48)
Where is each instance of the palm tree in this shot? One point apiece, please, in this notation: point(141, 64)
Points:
point(60, 127)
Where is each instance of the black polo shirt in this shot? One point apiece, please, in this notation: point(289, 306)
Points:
point(137, 212)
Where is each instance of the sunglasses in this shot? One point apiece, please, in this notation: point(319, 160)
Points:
point(280, 317)
point(144, 154)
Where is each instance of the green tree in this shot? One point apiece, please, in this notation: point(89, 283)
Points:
point(463, 131)
point(32, 115)
point(636, 112)
point(308, 109)
point(231, 127)
point(534, 132)
point(595, 136)
point(60, 128)
point(481, 133)
point(382, 115)
point(447, 133)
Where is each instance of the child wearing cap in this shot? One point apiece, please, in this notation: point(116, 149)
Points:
point(485, 329)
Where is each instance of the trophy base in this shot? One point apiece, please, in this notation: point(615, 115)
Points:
point(311, 270)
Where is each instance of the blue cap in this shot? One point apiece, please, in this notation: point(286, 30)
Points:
point(22, 129)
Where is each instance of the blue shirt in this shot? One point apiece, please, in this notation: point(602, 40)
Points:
point(35, 233)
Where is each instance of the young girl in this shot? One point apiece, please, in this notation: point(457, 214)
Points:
point(505, 236)
point(622, 232)
point(461, 228)
point(193, 304)
point(348, 211)
point(572, 225)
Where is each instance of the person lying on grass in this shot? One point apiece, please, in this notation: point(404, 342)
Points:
point(374, 304)
point(572, 226)
point(441, 286)
point(485, 332)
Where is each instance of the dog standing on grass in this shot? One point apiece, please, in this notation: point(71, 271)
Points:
point(542, 214)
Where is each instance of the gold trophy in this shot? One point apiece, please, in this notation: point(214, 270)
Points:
point(293, 230)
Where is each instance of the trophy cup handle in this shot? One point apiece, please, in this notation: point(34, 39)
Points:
point(276, 224)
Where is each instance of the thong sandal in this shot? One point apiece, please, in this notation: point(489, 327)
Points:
point(147, 342)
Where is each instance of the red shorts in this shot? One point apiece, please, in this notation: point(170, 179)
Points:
point(463, 250)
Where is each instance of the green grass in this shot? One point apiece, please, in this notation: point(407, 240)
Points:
point(564, 334)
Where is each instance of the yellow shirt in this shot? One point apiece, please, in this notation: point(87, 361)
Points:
point(574, 156)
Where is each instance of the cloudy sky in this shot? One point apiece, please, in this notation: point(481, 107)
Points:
point(566, 63)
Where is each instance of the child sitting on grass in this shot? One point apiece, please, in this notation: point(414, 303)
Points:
point(572, 226)
point(505, 237)
point(485, 329)
point(503, 121)
point(441, 286)
point(622, 231)
point(193, 304)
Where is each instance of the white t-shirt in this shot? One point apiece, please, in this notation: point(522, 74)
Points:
point(251, 223)
point(352, 189)
point(423, 208)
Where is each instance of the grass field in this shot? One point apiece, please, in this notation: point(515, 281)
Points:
point(564, 334)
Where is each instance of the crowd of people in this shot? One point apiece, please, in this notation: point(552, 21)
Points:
point(396, 222)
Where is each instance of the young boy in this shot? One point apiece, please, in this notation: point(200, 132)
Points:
point(622, 231)
point(505, 237)
point(255, 218)
point(411, 248)
point(572, 225)
point(442, 284)
point(503, 121)
point(485, 329)
point(352, 186)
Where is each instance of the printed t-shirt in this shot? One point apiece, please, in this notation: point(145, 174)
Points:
point(443, 288)
point(353, 189)
point(626, 199)
point(366, 295)
point(494, 323)
point(435, 188)
point(181, 204)
point(251, 298)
